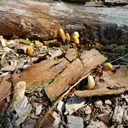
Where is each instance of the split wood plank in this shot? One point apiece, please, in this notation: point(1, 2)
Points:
point(78, 68)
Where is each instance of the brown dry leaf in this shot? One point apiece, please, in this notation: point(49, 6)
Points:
point(109, 84)
point(5, 87)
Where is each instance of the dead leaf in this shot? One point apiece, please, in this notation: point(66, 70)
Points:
point(5, 87)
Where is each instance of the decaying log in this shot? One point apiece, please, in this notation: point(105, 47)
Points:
point(26, 19)
point(78, 68)
point(41, 20)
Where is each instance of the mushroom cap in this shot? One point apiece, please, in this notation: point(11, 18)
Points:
point(61, 35)
point(76, 34)
point(75, 40)
point(91, 82)
point(68, 37)
point(29, 51)
point(107, 67)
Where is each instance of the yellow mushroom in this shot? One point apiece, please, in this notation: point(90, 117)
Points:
point(91, 82)
point(29, 52)
point(107, 67)
point(38, 44)
point(75, 41)
point(61, 37)
point(68, 39)
point(76, 34)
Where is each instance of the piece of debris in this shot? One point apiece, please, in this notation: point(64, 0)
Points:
point(2, 41)
point(75, 122)
point(29, 126)
point(47, 70)
point(9, 68)
point(18, 96)
point(74, 104)
point(57, 119)
point(38, 109)
point(60, 106)
point(98, 103)
point(87, 110)
point(96, 124)
point(19, 108)
point(108, 102)
point(118, 114)
point(93, 4)
point(104, 117)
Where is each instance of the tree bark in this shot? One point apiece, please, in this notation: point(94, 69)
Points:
point(47, 70)
point(41, 20)
point(72, 73)
point(26, 19)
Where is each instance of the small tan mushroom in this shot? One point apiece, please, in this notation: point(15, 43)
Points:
point(38, 44)
point(61, 37)
point(75, 41)
point(76, 34)
point(107, 67)
point(68, 39)
point(91, 82)
point(29, 52)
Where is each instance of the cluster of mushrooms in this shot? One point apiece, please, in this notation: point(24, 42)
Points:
point(66, 38)
point(74, 39)
point(90, 79)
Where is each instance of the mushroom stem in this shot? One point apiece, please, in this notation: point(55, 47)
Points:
point(68, 45)
point(61, 48)
point(75, 47)
point(31, 60)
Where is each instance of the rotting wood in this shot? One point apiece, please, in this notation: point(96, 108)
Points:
point(27, 19)
point(90, 93)
point(36, 19)
point(46, 70)
point(109, 84)
point(78, 68)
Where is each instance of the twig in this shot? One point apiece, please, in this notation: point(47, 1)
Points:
point(6, 96)
point(119, 58)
